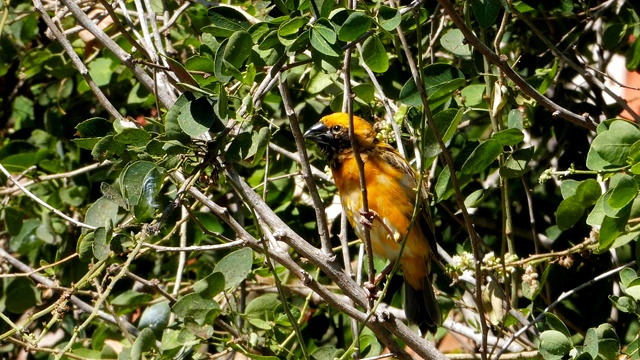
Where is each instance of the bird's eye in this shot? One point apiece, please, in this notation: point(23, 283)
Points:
point(336, 128)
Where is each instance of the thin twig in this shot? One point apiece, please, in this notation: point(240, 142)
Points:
point(68, 174)
point(321, 216)
point(182, 256)
point(83, 306)
point(475, 239)
point(295, 157)
point(159, 248)
point(75, 60)
point(164, 95)
point(331, 269)
point(580, 69)
point(34, 271)
point(103, 298)
point(43, 203)
point(501, 62)
point(560, 298)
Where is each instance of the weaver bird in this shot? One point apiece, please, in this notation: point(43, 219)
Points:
point(391, 186)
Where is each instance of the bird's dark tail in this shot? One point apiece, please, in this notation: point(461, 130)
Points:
point(421, 306)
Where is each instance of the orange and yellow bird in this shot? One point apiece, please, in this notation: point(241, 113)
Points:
point(391, 186)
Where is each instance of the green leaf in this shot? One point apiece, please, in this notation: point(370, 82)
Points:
point(199, 63)
point(613, 145)
point(74, 196)
point(588, 192)
point(100, 70)
point(112, 194)
point(107, 148)
point(509, 137)
point(609, 344)
point(238, 48)
point(515, 120)
point(263, 306)
point(156, 317)
point(195, 306)
point(171, 125)
point(132, 136)
point(626, 276)
point(13, 220)
point(225, 21)
point(259, 143)
point(624, 239)
point(132, 180)
point(568, 187)
point(440, 82)
point(143, 343)
point(101, 211)
point(219, 68)
point(596, 216)
point(291, 26)
point(473, 95)
point(101, 239)
point(554, 323)
point(365, 93)
point(516, 163)
point(633, 55)
point(324, 28)
point(591, 343)
point(239, 148)
point(95, 127)
point(569, 212)
point(272, 39)
point(323, 38)
point(20, 295)
point(554, 345)
point(474, 199)
point(620, 195)
point(389, 18)
point(84, 247)
point(356, 25)
point(624, 303)
point(454, 42)
point(197, 117)
point(326, 353)
point(611, 229)
point(483, 155)
point(144, 210)
point(375, 55)
point(633, 289)
point(235, 267)
point(210, 286)
point(486, 11)
point(446, 122)
point(182, 74)
point(131, 298)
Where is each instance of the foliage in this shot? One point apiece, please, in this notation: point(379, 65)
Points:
point(158, 201)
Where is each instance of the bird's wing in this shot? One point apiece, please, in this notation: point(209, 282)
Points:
point(410, 183)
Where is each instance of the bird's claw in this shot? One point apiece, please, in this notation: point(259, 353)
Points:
point(367, 217)
point(371, 290)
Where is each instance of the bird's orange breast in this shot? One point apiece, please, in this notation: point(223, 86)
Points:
point(392, 197)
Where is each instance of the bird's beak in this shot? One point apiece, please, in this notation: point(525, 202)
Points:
point(319, 133)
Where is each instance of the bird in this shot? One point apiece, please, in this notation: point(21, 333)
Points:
point(391, 185)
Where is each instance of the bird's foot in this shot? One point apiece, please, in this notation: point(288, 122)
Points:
point(367, 218)
point(371, 290)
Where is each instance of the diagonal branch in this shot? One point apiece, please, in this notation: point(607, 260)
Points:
point(501, 62)
point(318, 206)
